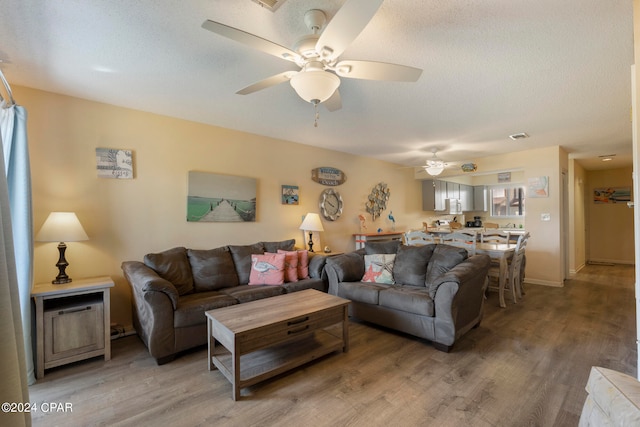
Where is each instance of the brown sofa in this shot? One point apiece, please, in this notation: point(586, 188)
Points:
point(172, 290)
point(438, 292)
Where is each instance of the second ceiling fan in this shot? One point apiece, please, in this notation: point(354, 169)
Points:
point(317, 54)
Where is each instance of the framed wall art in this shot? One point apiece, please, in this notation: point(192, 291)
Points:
point(538, 187)
point(611, 195)
point(221, 198)
point(114, 163)
point(290, 195)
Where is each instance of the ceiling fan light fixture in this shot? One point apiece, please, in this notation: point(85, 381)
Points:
point(434, 167)
point(315, 86)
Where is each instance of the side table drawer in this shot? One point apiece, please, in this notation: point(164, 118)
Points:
point(74, 329)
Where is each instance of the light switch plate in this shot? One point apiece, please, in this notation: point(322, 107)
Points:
point(545, 217)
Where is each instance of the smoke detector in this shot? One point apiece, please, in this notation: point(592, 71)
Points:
point(520, 135)
point(272, 5)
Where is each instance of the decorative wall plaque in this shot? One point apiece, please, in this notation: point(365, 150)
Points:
point(378, 200)
point(328, 176)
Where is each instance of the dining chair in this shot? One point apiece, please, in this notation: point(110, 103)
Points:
point(418, 237)
point(495, 236)
point(465, 240)
point(515, 270)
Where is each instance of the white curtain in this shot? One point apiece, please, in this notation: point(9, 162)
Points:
point(16, 258)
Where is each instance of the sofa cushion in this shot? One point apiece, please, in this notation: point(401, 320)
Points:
point(172, 265)
point(267, 269)
point(361, 291)
point(410, 266)
point(411, 299)
point(390, 247)
point(212, 269)
point(349, 266)
point(285, 245)
point(290, 265)
point(191, 308)
point(444, 258)
point(242, 259)
point(246, 293)
point(378, 268)
point(300, 285)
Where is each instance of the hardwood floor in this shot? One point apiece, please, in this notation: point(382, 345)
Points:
point(526, 365)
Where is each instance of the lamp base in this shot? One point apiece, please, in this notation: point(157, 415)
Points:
point(62, 264)
point(311, 241)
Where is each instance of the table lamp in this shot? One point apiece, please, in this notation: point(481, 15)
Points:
point(61, 227)
point(311, 223)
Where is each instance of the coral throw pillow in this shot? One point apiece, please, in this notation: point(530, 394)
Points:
point(290, 265)
point(267, 269)
point(303, 264)
point(379, 268)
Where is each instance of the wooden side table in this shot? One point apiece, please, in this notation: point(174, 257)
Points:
point(72, 322)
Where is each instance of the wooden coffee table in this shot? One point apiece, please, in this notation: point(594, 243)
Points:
point(264, 338)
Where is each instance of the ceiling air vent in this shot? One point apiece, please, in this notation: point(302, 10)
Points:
point(272, 5)
point(521, 135)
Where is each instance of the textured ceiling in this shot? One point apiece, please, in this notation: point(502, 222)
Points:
point(557, 70)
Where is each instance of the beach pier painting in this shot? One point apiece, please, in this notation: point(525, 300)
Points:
point(221, 198)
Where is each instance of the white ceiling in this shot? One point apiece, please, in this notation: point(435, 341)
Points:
point(558, 70)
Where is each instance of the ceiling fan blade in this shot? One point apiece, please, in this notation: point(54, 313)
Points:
point(334, 102)
point(345, 26)
point(370, 70)
point(268, 82)
point(251, 40)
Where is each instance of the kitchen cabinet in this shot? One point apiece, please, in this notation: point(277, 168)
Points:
point(467, 197)
point(434, 193)
point(453, 190)
point(480, 198)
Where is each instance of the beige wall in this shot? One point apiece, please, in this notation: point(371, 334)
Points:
point(125, 219)
point(610, 226)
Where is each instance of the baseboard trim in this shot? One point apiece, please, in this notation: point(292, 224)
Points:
point(573, 272)
point(544, 283)
point(118, 331)
point(609, 261)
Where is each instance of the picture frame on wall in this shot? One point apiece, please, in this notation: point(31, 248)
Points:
point(611, 195)
point(538, 187)
point(290, 195)
point(221, 198)
point(114, 163)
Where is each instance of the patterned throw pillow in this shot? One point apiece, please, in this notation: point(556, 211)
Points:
point(290, 265)
point(303, 264)
point(267, 269)
point(378, 268)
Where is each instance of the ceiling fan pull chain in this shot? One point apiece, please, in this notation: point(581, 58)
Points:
point(317, 117)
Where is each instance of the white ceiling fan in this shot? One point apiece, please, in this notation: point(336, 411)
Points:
point(317, 55)
point(434, 166)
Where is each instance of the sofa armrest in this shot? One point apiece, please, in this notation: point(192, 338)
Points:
point(459, 298)
point(472, 272)
point(347, 267)
point(316, 265)
point(144, 279)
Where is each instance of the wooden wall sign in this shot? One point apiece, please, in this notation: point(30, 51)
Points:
point(328, 176)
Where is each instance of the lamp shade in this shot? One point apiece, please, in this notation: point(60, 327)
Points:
point(311, 223)
point(61, 227)
point(315, 86)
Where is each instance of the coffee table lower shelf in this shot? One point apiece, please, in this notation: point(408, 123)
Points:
point(266, 363)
